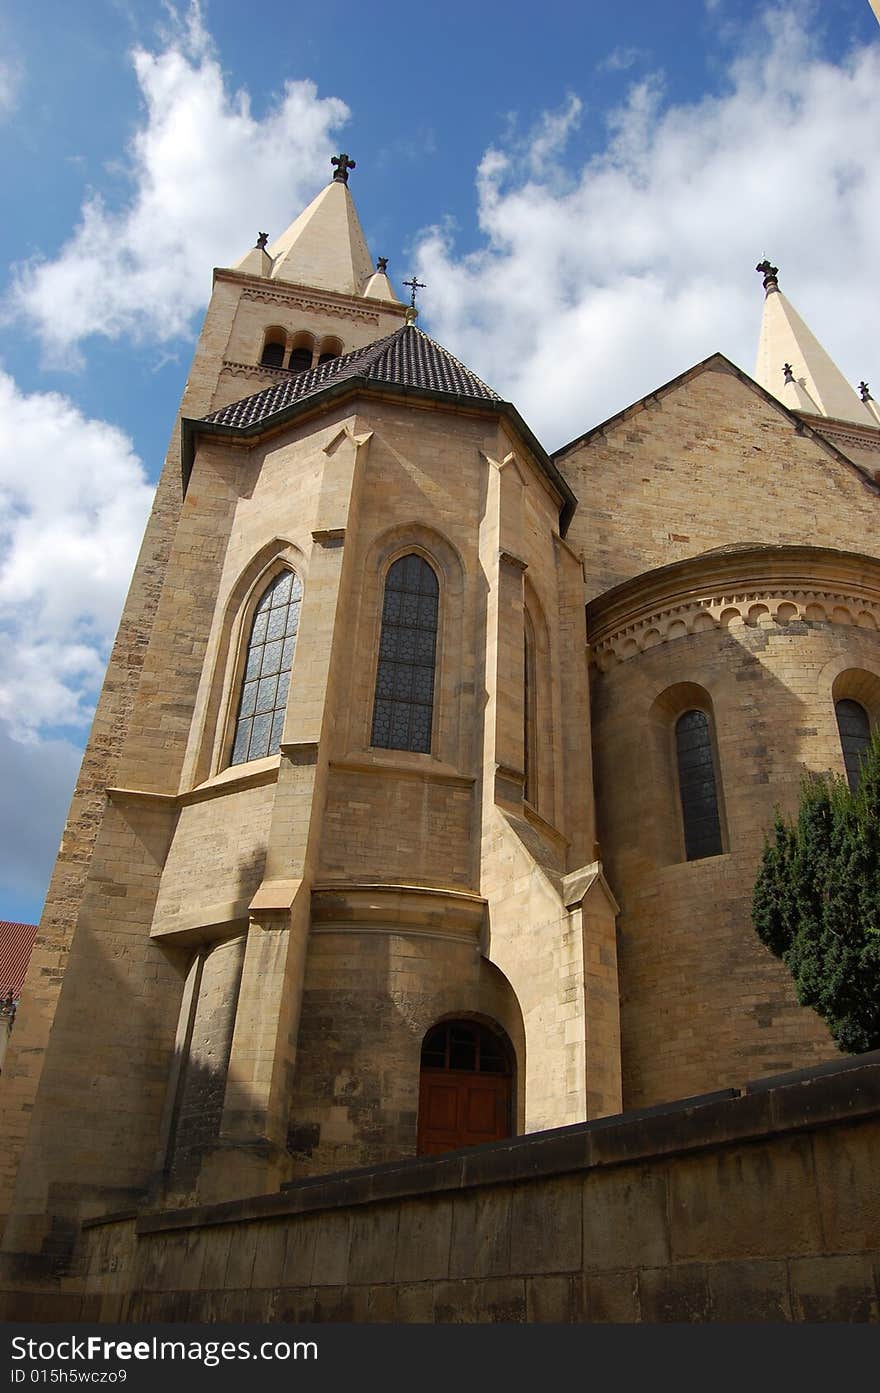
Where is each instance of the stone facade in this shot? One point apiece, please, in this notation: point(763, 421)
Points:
point(239, 962)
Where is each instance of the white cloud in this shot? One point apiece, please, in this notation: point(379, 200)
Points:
point(207, 176)
point(600, 279)
point(73, 503)
point(10, 86)
point(621, 58)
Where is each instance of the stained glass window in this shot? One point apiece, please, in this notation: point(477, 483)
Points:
point(267, 670)
point(855, 737)
point(404, 704)
point(696, 783)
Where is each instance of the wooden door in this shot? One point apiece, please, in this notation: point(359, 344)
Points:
point(461, 1109)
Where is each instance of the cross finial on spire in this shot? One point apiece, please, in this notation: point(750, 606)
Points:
point(262, 239)
point(769, 273)
point(342, 164)
point(416, 285)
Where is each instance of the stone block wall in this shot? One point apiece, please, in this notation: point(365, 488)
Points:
point(760, 1205)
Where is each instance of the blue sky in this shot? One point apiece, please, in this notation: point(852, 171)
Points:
point(584, 188)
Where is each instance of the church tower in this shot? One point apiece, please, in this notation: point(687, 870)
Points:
point(329, 892)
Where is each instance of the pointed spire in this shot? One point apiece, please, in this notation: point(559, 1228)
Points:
point(256, 262)
point(325, 246)
point(811, 381)
point(794, 394)
point(379, 287)
point(869, 401)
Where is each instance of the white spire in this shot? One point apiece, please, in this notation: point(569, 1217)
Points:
point(325, 245)
point(794, 366)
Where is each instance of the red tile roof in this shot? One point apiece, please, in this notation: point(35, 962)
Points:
point(16, 942)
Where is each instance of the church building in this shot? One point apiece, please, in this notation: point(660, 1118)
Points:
point(430, 776)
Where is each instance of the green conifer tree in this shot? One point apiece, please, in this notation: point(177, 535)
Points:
point(816, 902)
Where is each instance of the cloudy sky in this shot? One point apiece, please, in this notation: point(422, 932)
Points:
point(586, 190)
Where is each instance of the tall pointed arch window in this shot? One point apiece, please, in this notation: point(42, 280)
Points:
point(404, 702)
point(855, 737)
point(697, 786)
point(267, 670)
point(530, 723)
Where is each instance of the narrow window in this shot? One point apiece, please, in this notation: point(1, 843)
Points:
point(267, 670)
point(697, 788)
point(530, 783)
point(300, 359)
point(404, 703)
point(855, 737)
point(273, 355)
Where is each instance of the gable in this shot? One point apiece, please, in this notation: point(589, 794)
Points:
point(710, 460)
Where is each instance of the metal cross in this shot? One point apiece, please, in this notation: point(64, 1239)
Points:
point(416, 285)
point(342, 165)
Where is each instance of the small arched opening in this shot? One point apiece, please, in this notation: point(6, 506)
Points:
point(302, 352)
point(466, 1087)
point(274, 344)
point(329, 349)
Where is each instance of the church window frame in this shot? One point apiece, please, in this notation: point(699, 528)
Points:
point(252, 655)
point(531, 781)
point(854, 732)
point(663, 830)
point(395, 672)
point(860, 686)
point(539, 717)
point(697, 782)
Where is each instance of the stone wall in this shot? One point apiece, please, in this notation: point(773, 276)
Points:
point(762, 1205)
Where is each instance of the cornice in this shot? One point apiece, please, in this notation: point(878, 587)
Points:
point(437, 911)
point(339, 310)
point(751, 586)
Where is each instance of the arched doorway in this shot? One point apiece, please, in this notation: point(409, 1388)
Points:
point(465, 1087)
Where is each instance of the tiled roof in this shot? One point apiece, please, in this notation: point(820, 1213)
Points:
point(406, 358)
point(16, 942)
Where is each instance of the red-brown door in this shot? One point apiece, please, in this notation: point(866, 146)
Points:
point(461, 1109)
point(465, 1088)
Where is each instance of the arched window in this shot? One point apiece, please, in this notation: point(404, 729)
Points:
point(697, 787)
point(273, 355)
point(404, 704)
point(855, 737)
point(330, 349)
point(530, 749)
point(267, 670)
point(300, 359)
